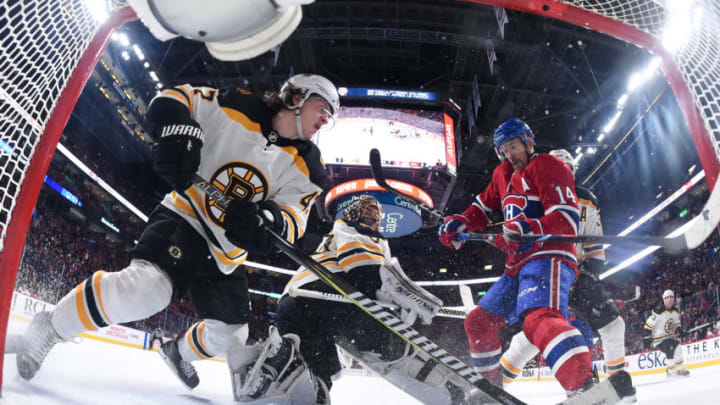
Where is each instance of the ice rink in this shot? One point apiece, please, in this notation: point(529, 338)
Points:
point(95, 372)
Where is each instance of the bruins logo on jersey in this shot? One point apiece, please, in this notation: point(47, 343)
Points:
point(668, 327)
point(236, 180)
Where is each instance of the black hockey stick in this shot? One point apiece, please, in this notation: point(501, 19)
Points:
point(671, 245)
point(693, 235)
point(379, 176)
point(390, 321)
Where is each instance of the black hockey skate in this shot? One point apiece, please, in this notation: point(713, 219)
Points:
point(281, 360)
point(181, 368)
point(614, 390)
point(39, 338)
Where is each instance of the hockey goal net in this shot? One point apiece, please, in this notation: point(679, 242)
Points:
point(48, 49)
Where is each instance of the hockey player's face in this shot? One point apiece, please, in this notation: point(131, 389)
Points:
point(315, 115)
point(371, 217)
point(515, 152)
point(669, 301)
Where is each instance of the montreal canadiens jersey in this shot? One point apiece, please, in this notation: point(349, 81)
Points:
point(663, 323)
point(544, 191)
point(343, 250)
point(244, 157)
point(590, 225)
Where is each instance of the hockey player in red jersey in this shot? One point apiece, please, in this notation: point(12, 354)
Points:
point(536, 193)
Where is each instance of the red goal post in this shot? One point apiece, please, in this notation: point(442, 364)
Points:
point(48, 50)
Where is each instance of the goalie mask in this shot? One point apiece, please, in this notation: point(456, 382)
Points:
point(231, 30)
point(566, 157)
point(365, 211)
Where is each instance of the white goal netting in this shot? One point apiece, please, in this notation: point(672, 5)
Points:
point(41, 42)
point(690, 30)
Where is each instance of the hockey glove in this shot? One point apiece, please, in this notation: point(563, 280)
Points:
point(244, 222)
point(453, 225)
point(413, 300)
point(177, 152)
point(509, 241)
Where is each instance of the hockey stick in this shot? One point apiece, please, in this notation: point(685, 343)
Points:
point(379, 176)
point(300, 292)
point(695, 233)
point(466, 296)
point(636, 297)
point(370, 307)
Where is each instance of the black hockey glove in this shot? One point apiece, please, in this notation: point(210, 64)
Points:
point(177, 152)
point(243, 224)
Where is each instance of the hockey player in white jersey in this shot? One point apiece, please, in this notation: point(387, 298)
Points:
point(664, 324)
point(588, 297)
point(357, 250)
point(253, 148)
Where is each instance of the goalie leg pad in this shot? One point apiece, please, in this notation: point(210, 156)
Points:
point(136, 292)
point(209, 338)
point(416, 374)
point(613, 341)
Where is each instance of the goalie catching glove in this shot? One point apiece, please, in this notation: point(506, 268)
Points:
point(413, 300)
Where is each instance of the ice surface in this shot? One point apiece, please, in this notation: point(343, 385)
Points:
point(94, 372)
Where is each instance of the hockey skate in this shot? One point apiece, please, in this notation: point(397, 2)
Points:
point(273, 372)
point(39, 338)
point(615, 389)
point(181, 368)
point(676, 372)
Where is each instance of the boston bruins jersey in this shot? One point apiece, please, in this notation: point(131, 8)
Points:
point(243, 156)
point(589, 225)
point(663, 323)
point(346, 250)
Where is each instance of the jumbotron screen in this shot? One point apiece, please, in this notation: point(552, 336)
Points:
point(405, 137)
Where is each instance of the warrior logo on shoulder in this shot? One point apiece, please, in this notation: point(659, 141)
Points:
point(236, 180)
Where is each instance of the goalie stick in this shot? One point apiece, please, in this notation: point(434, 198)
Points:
point(370, 307)
point(300, 292)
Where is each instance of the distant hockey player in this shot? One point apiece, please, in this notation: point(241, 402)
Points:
point(255, 149)
point(588, 298)
point(536, 194)
point(664, 324)
point(358, 251)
